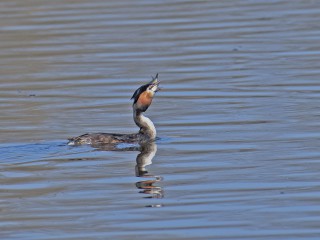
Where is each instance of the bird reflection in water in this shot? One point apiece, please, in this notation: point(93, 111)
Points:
point(144, 158)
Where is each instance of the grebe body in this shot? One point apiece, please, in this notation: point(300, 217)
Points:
point(142, 100)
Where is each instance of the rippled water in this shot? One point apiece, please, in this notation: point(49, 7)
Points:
point(238, 119)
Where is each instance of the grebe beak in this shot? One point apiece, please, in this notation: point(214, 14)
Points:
point(155, 83)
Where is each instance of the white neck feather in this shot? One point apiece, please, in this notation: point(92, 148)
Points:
point(145, 124)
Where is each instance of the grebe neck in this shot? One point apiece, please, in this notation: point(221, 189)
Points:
point(146, 125)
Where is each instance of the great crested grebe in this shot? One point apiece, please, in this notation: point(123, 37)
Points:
point(142, 100)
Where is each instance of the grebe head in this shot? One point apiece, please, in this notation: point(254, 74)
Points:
point(143, 95)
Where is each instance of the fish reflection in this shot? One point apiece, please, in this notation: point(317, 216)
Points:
point(144, 158)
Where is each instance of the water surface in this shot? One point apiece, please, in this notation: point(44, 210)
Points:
point(238, 119)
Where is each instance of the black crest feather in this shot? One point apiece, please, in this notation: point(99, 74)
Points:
point(140, 90)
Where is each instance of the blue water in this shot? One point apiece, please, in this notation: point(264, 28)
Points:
point(237, 120)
